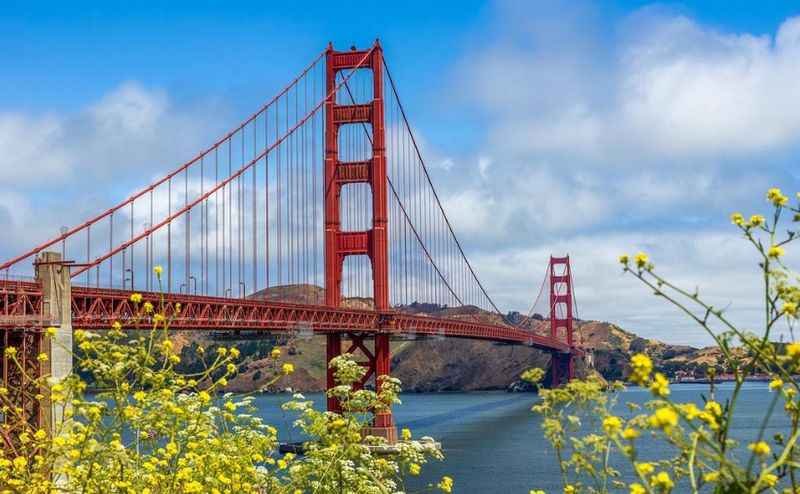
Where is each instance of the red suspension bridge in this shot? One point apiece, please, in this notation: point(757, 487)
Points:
point(325, 186)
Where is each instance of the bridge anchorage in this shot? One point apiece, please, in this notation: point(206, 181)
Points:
point(316, 215)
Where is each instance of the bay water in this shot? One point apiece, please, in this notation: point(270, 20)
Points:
point(494, 443)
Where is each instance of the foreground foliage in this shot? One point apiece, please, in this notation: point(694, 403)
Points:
point(697, 450)
point(156, 430)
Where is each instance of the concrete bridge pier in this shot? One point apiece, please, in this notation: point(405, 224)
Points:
point(53, 276)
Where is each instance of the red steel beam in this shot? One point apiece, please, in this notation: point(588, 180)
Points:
point(93, 308)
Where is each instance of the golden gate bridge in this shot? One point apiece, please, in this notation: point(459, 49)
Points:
point(325, 185)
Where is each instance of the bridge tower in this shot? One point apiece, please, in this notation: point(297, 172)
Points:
point(374, 242)
point(562, 366)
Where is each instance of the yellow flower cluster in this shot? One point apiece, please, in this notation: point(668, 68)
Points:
point(641, 260)
point(660, 385)
point(154, 430)
point(776, 197)
point(612, 425)
point(641, 367)
point(761, 448)
point(664, 418)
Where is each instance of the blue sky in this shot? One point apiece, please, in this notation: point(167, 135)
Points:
point(586, 127)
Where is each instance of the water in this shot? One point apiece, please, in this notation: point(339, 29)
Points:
point(493, 442)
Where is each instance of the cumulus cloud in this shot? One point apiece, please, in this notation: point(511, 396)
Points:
point(605, 137)
point(130, 131)
point(719, 264)
point(671, 87)
point(70, 163)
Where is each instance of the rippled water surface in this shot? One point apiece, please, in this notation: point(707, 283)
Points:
point(493, 442)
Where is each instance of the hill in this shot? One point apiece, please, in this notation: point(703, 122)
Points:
point(439, 364)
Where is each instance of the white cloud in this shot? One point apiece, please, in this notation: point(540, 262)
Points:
point(484, 163)
point(720, 264)
point(72, 164)
point(643, 134)
point(29, 148)
point(129, 132)
point(671, 88)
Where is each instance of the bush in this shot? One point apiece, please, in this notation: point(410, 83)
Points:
point(155, 429)
point(696, 443)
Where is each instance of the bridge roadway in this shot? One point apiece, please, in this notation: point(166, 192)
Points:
point(97, 308)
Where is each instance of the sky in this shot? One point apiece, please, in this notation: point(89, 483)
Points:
point(592, 128)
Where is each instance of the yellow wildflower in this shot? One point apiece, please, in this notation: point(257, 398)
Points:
point(789, 308)
point(737, 219)
point(636, 488)
point(446, 484)
point(287, 368)
point(660, 385)
point(623, 259)
point(711, 476)
point(204, 396)
point(406, 434)
point(690, 410)
point(665, 417)
point(50, 331)
point(630, 433)
point(275, 353)
point(234, 352)
point(770, 479)
point(414, 469)
point(644, 469)
point(158, 270)
point(641, 259)
point(136, 298)
point(775, 251)
point(662, 481)
point(776, 384)
point(612, 425)
point(42, 357)
point(776, 197)
point(192, 487)
point(10, 351)
point(756, 220)
point(642, 366)
point(147, 307)
point(20, 463)
point(714, 408)
point(760, 448)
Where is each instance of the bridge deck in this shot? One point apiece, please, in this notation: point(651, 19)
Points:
point(97, 308)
